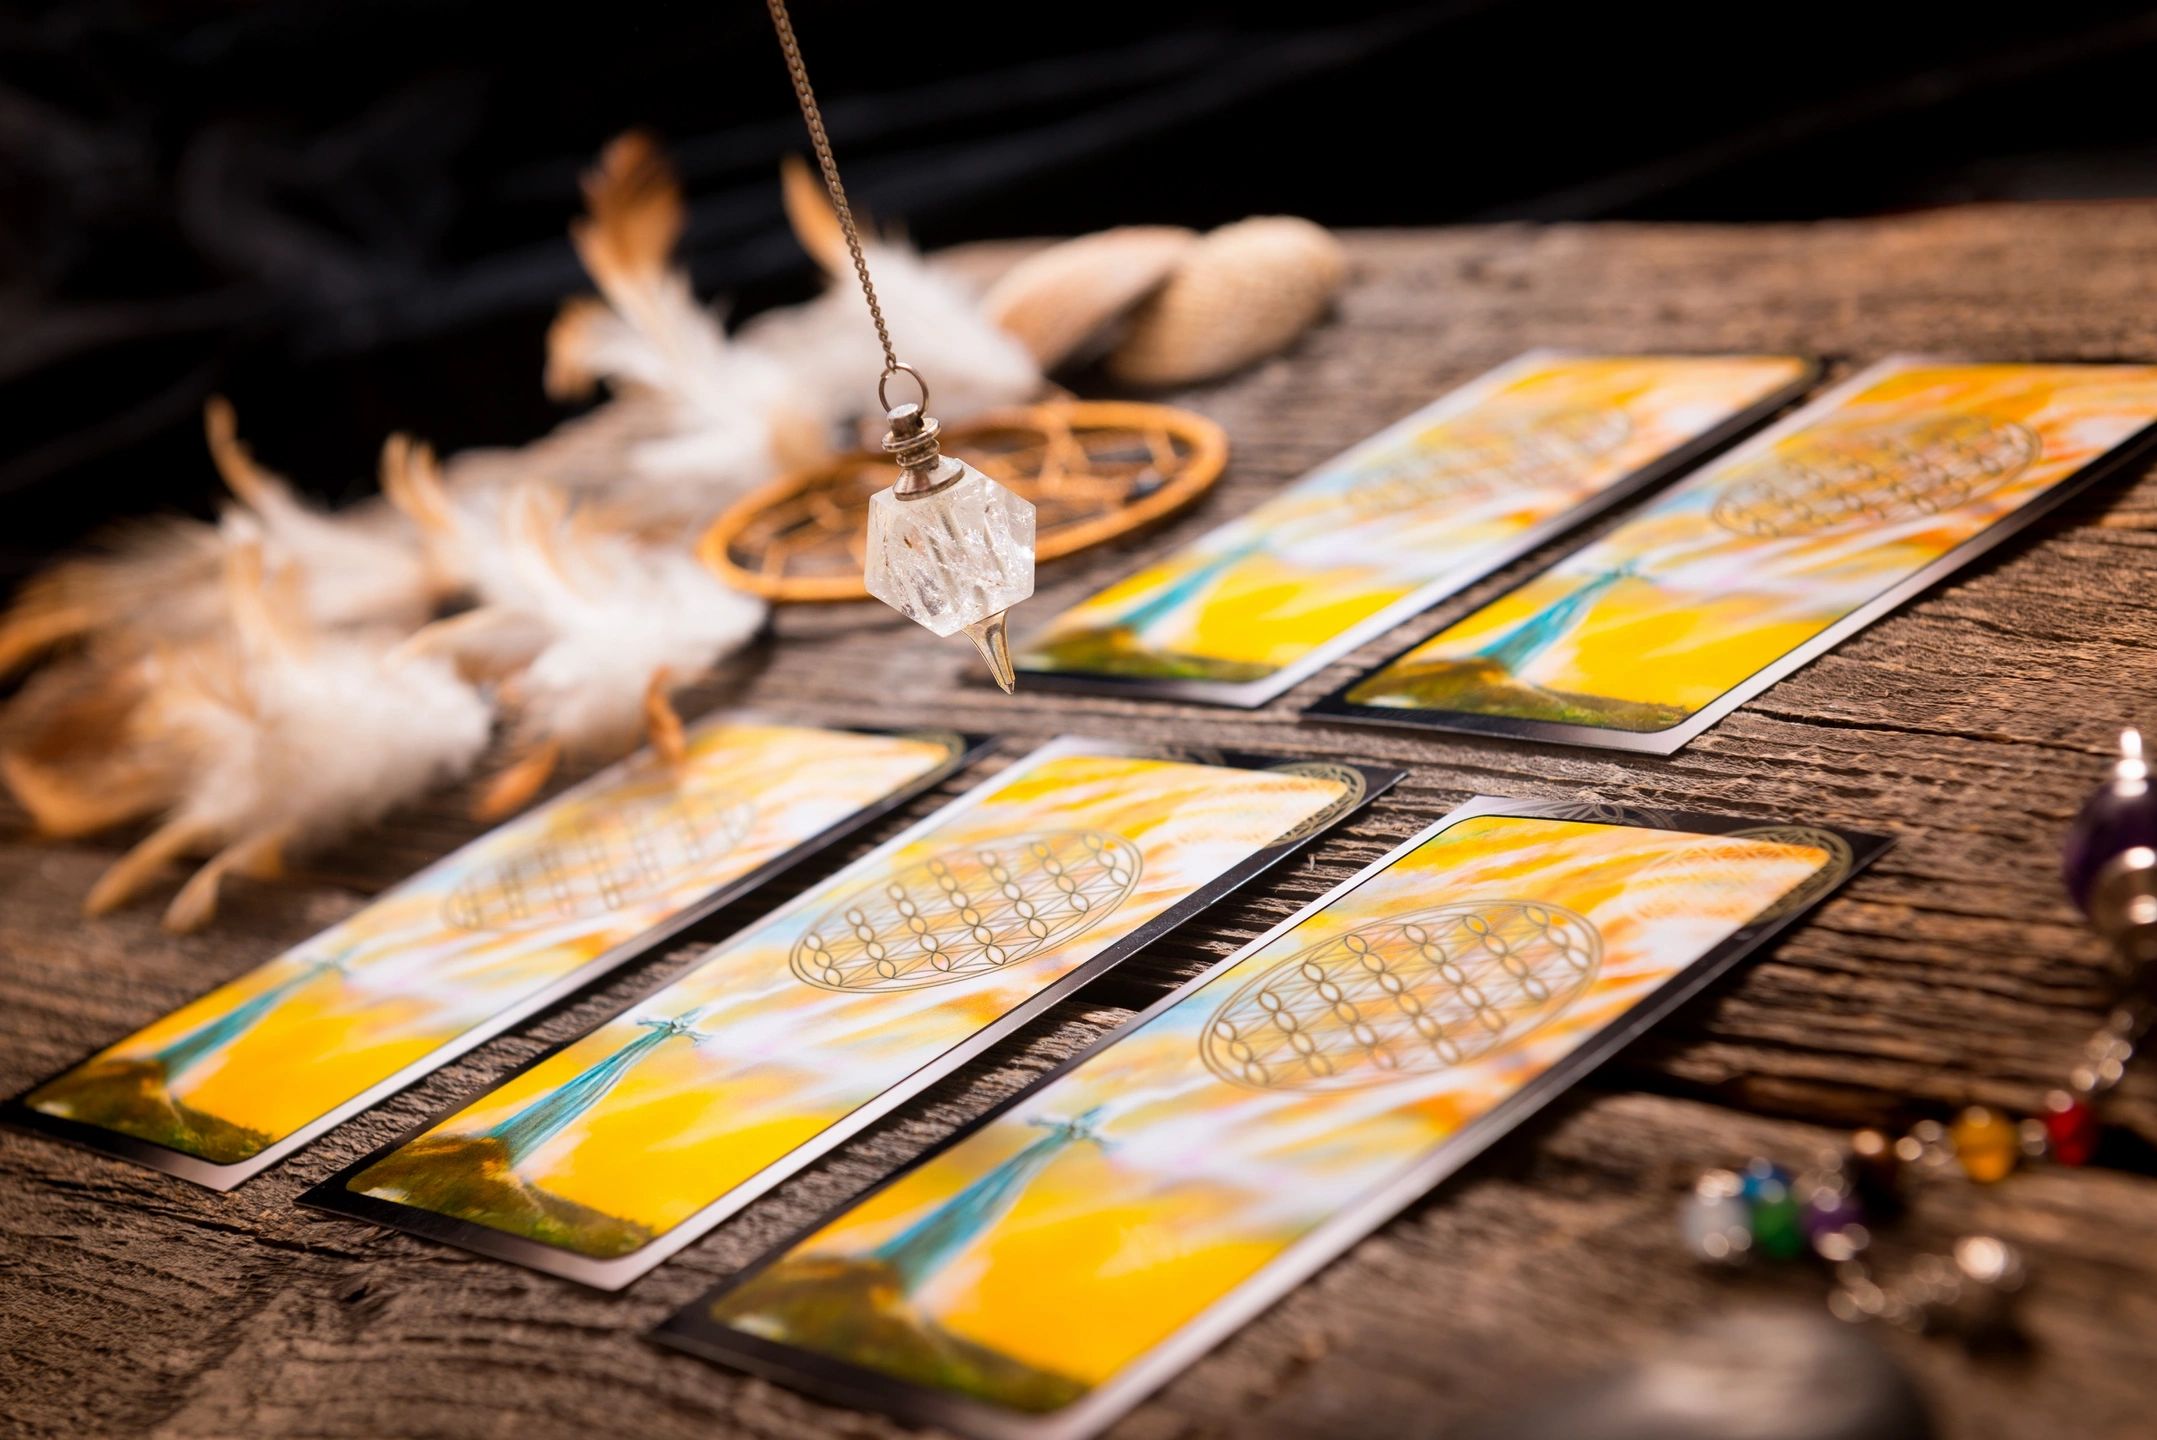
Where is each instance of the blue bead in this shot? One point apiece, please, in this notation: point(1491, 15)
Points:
point(1765, 1182)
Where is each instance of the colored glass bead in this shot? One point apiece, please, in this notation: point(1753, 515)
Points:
point(1827, 1210)
point(1986, 1144)
point(1763, 1179)
point(1716, 1223)
point(1777, 1231)
point(2071, 1128)
point(1834, 1222)
point(1877, 1171)
point(2116, 818)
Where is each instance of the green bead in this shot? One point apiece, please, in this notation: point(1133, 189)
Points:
point(1778, 1229)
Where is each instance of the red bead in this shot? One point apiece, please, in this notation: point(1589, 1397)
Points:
point(2071, 1129)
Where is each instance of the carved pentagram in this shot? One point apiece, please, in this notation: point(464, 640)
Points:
point(968, 912)
point(615, 854)
point(1860, 477)
point(1408, 996)
point(1093, 470)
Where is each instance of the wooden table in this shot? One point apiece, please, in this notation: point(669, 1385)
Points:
point(1967, 726)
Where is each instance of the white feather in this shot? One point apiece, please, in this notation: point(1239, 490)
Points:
point(285, 735)
point(726, 415)
point(588, 614)
point(830, 351)
point(360, 566)
point(617, 613)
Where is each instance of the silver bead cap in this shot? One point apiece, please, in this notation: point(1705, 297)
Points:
point(911, 441)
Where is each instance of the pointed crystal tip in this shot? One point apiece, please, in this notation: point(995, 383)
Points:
point(989, 638)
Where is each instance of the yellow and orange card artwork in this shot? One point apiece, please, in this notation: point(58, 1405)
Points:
point(1039, 1255)
point(1427, 506)
point(1757, 556)
point(781, 1033)
point(483, 935)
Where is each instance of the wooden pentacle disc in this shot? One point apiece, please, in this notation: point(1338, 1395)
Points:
point(1094, 469)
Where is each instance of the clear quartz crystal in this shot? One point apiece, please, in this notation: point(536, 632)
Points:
point(955, 557)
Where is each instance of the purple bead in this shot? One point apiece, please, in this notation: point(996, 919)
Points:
point(1827, 1211)
point(2116, 818)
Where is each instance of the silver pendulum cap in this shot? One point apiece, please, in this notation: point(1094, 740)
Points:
point(948, 547)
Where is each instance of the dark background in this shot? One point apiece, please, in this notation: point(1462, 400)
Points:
point(350, 216)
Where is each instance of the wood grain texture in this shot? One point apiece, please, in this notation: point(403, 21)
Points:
point(1967, 726)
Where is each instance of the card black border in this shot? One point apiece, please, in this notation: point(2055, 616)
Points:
point(18, 1115)
point(2132, 451)
point(689, 1329)
point(332, 1195)
point(1252, 694)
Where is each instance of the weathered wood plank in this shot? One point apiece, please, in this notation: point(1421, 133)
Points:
point(1967, 726)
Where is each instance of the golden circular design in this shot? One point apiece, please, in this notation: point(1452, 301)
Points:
point(1348, 777)
point(1475, 457)
point(1822, 880)
point(1861, 476)
point(603, 854)
point(1414, 995)
point(968, 912)
point(1094, 470)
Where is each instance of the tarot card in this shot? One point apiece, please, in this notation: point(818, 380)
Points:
point(1791, 543)
point(611, 1152)
point(231, 1083)
point(1035, 1275)
point(1404, 519)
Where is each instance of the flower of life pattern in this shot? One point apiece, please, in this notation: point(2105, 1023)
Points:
point(1862, 476)
point(1712, 869)
point(1594, 810)
point(623, 853)
point(1472, 459)
point(968, 913)
point(1348, 777)
point(1403, 997)
point(1813, 886)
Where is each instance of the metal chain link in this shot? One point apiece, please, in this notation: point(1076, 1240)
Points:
point(822, 143)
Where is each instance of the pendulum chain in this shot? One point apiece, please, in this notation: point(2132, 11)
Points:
point(813, 116)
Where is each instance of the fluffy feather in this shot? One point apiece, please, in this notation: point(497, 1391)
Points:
point(830, 349)
point(357, 567)
point(286, 734)
point(151, 577)
point(79, 758)
point(158, 582)
point(586, 626)
point(732, 416)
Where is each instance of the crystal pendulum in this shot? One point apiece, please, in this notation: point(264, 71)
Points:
point(948, 547)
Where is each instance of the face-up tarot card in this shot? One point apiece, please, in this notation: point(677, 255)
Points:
point(1035, 1275)
point(232, 1082)
point(1408, 517)
point(609, 1153)
point(1770, 556)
